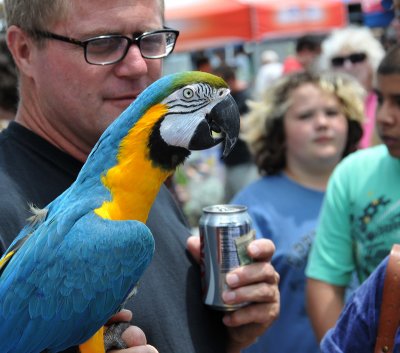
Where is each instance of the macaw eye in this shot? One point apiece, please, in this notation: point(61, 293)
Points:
point(188, 93)
point(221, 92)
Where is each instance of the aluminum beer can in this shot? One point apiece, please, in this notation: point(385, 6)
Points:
point(219, 226)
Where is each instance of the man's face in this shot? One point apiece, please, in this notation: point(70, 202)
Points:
point(80, 99)
point(388, 112)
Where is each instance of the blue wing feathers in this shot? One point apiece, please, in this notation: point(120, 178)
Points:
point(73, 277)
point(74, 266)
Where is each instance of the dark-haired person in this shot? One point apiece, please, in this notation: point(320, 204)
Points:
point(307, 52)
point(359, 220)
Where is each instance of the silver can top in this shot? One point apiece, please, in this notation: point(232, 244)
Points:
point(224, 209)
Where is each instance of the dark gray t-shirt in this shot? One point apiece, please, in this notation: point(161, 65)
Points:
point(168, 305)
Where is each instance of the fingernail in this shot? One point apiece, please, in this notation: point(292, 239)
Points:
point(254, 249)
point(232, 279)
point(228, 296)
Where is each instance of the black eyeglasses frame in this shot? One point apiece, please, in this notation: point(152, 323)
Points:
point(131, 41)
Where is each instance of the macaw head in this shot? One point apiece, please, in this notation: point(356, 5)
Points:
point(173, 116)
point(196, 112)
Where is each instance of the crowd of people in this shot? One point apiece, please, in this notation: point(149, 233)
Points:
point(316, 165)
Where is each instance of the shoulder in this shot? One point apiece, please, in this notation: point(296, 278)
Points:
point(267, 191)
point(371, 155)
point(363, 163)
point(165, 214)
point(256, 189)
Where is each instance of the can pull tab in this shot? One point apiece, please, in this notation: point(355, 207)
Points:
point(241, 244)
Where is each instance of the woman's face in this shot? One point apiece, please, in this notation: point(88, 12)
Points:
point(315, 128)
point(356, 64)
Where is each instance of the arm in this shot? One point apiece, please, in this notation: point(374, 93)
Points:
point(324, 305)
point(357, 327)
point(256, 283)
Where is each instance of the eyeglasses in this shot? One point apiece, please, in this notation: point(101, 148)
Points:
point(339, 61)
point(112, 48)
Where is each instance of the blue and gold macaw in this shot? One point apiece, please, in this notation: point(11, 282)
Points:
point(73, 266)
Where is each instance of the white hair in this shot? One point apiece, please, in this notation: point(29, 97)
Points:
point(353, 39)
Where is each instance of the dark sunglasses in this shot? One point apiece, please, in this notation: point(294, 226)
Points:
point(355, 58)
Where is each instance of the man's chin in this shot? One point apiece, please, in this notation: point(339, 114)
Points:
point(117, 106)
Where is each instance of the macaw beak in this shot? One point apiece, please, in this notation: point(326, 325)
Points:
point(224, 119)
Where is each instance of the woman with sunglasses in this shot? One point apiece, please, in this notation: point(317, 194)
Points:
point(357, 52)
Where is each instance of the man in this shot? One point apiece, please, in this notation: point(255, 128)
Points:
point(359, 221)
point(68, 96)
point(308, 49)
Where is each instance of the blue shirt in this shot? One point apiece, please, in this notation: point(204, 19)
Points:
point(287, 213)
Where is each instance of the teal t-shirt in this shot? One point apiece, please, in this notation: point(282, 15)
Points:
point(360, 217)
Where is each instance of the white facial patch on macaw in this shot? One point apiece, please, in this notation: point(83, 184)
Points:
point(196, 100)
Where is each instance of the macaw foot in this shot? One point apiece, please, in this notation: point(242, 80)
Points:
point(112, 336)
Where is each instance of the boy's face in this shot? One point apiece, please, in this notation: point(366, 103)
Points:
point(388, 112)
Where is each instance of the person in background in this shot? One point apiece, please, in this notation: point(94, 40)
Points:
point(243, 66)
point(356, 51)
point(8, 85)
point(306, 123)
point(270, 70)
point(308, 50)
point(69, 94)
point(240, 168)
point(357, 327)
point(202, 63)
point(393, 5)
point(359, 220)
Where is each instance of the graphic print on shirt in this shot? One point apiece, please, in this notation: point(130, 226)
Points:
point(374, 229)
point(296, 259)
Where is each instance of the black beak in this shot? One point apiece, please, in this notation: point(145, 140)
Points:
point(224, 119)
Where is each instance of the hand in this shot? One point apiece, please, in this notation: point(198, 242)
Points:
point(133, 336)
point(256, 283)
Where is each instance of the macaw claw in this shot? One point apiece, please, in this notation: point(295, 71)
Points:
point(113, 336)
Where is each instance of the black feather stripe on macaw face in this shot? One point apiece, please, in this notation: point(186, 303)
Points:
point(163, 155)
point(196, 113)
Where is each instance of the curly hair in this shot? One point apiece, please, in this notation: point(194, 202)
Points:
point(263, 127)
point(354, 39)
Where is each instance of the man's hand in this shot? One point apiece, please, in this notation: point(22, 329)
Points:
point(256, 283)
point(133, 336)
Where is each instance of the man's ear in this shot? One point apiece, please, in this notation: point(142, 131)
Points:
point(22, 47)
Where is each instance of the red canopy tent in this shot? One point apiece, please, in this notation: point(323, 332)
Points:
point(211, 23)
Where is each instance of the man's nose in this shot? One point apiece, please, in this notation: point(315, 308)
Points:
point(386, 113)
point(133, 64)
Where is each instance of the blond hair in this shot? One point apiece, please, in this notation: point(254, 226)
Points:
point(263, 127)
point(355, 39)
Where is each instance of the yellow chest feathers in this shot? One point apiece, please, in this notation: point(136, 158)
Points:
point(134, 181)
